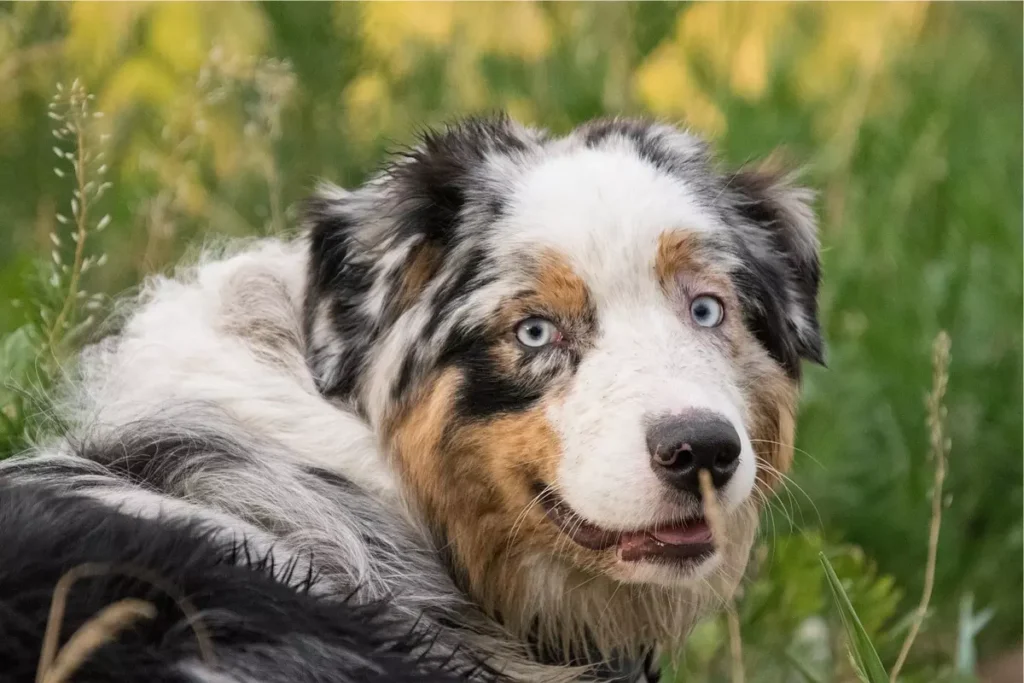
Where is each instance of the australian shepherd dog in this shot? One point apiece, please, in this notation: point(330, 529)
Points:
point(456, 429)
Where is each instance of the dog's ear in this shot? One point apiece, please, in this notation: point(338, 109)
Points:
point(374, 250)
point(446, 175)
point(779, 246)
point(418, 200)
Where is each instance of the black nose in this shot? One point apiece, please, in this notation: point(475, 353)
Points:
point(682, 445)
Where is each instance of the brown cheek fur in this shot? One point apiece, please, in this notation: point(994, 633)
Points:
point(771, 402)
point(473, 481)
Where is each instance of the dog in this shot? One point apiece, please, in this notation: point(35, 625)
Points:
point(454, 430)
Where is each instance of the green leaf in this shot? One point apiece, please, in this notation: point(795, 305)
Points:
point(864, 653)
point(16, 351)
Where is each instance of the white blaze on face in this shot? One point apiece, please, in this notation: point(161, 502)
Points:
point(605, 211)
point(646, 364)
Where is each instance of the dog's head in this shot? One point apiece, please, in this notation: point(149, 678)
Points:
point(554, 336)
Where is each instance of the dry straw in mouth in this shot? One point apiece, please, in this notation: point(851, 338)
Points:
point(712, 512)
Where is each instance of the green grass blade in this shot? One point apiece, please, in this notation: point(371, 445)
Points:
point(863, 651)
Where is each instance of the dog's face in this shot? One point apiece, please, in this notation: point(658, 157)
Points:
point(555, 336)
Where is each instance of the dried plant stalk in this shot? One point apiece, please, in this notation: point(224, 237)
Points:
point(711, 510)
point(73, 116)
point(735, 643)
point(96, 632)
point(939, 449)
point(56, 667)
point(713, 514)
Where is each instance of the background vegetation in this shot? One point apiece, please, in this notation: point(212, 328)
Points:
point(219, 117)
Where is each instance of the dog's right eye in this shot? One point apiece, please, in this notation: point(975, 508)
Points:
point(707, 311)
point(535, 333)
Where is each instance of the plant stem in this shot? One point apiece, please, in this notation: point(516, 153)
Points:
point(939, 447)
point(81, 228)
point(713, 513)
point(735, 643)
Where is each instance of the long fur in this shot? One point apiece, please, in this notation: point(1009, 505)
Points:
point(303, 427)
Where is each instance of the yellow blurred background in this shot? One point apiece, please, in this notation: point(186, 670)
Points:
point(905, 116)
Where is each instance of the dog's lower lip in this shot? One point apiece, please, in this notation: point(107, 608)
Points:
point(584, 533)
point(679, 541)
point(646, 546)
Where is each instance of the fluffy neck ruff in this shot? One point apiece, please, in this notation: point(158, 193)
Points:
point(565, 611)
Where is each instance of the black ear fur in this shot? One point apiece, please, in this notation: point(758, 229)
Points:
point(784, 270)
point(437, 177)
point(338, 280)
point(421, 194)
point(418, 201)
point(332, 229)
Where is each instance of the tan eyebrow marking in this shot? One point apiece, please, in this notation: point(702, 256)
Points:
point(678, 251)
point(559, 286)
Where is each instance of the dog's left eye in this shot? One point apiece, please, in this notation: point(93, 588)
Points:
point(707, 311)
point(537, 332)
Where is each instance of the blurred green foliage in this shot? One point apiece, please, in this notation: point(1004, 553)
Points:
point(906, 116)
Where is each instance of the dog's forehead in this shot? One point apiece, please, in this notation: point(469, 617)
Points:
point(605, 210)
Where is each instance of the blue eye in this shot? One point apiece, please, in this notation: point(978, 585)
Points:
point(537, 332)
point(707, 311)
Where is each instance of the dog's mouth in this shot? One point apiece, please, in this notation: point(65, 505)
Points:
point(684, 541)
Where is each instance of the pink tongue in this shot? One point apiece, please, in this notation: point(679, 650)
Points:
point(694, 532)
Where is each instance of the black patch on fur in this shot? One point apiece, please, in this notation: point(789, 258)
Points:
point(330, 246)
point(487, 389)
point(787, 276)
point(638, 132)
point(255, 620)
point(424, 194)
point(357, 329)
point(155, 455)
point(436, 177)
point(342, 280)
point(332, 479)
point(406, 375)
point(763, 291)
point(72, 473)
point(469, 277)
point(435, 180)
point(767, 285)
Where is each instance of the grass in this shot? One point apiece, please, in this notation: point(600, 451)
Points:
point(60, 311)
point(863, 652)
point(906, 116)
point(940, 447)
